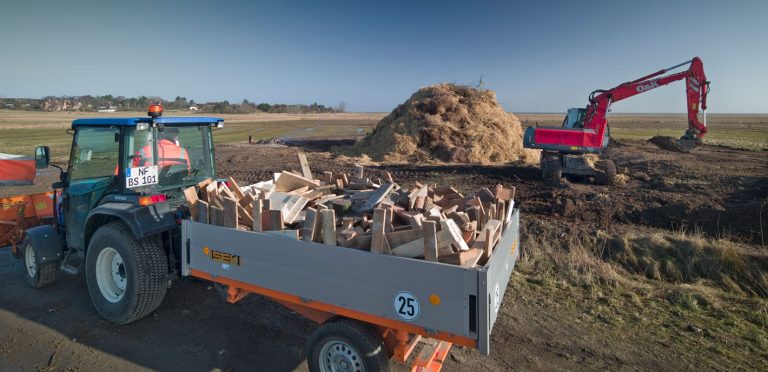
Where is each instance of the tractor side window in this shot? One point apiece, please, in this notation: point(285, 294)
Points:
point(95, 153)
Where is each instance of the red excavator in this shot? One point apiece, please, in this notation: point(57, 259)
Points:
point(585, 131)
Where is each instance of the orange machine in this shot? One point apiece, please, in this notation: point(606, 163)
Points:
point(18, 213)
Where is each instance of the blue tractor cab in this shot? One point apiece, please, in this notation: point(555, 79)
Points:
point(119, 205)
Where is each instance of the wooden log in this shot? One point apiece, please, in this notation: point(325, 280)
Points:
point(190, 193)
point(235, 188)
point(388, 177)
point(230, 213)
point(411, 249)
point(377, 230)
point(202, 211)
point(273, 220)
point(311, 222)
point(289, 182)
point(359, 172)
point(244, 216)
point(211, 190)
point(486, 195)
point(455, 234)
point(430, 240)
point(341, 206)
point(328, 218)
point(398, 238)
point(328, 178)
point(376, 197)
point(505, 194)
point(204, 183)
point(305, 172)
point(258, 214)
point(215, 215)
point(467, 258)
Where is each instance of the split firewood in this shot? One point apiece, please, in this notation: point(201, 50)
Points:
point(430, 240)
point(305, 172)
point(257, 212)
point(235, 188)
point(190, 194)
point(377, 230)
point(328, 222)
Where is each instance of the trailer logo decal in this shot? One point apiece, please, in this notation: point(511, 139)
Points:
point(223, 257)
point(406, 305)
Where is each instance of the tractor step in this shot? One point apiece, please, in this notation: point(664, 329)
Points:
point(72, 263)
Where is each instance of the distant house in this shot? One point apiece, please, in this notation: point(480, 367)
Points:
point(107, 109)
point(193, 108)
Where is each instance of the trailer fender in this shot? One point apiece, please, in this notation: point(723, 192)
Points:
point(143, 221)
point(47, 243)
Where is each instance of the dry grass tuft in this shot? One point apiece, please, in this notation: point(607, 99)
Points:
point(691, 258)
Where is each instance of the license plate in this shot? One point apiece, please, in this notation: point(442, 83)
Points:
point(140, 176)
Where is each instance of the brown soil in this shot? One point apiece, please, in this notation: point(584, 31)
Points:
point(448, 123)
point(714, 190)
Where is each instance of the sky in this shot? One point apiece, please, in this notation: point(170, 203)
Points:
point(539, 56)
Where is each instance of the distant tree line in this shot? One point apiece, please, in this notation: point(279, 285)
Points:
point(247, 107)
point(120, 103)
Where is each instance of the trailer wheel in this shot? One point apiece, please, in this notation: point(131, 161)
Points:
point(127, 277)
point(346, 345)
point(606, 174)
point(551, 168)
point(38, 275)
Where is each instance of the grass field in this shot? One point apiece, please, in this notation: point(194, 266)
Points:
point(21, 131)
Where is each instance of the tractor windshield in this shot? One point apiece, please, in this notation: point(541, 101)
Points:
point(164, 158)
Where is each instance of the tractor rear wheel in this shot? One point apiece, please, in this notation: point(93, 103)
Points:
point(346, 345)
point(127, 277)
point(551, 167)
point(606, 172)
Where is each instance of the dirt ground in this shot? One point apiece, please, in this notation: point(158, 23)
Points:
point(716, 191)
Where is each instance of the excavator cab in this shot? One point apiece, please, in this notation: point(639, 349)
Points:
point(574, 118)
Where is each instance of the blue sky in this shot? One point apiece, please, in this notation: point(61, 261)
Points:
point(539, 56)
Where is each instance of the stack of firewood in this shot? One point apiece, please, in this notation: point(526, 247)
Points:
point(354, 211)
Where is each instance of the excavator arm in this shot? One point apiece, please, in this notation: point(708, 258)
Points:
point(588, 136)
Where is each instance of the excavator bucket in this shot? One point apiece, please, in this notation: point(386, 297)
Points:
point(674, 144)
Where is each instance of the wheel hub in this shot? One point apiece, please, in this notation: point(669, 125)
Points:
point(111, 274)
point(30, 261)
point(338, 356)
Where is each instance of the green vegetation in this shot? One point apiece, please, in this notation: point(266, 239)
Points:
point(89, 103)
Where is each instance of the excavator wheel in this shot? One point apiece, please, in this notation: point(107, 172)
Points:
point(606, 172)
point(551, 168)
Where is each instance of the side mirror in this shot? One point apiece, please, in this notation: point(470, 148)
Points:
point(42, 157)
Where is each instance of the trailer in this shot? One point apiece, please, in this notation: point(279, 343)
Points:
point(370, 307)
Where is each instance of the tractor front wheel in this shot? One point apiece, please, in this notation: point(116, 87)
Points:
point(38, 274)
point(127, 277)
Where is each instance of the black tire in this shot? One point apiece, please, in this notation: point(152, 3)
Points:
point(144, 270)
point(39, 275)
point(551, 168)
point(349, 342)
point(606, 172)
